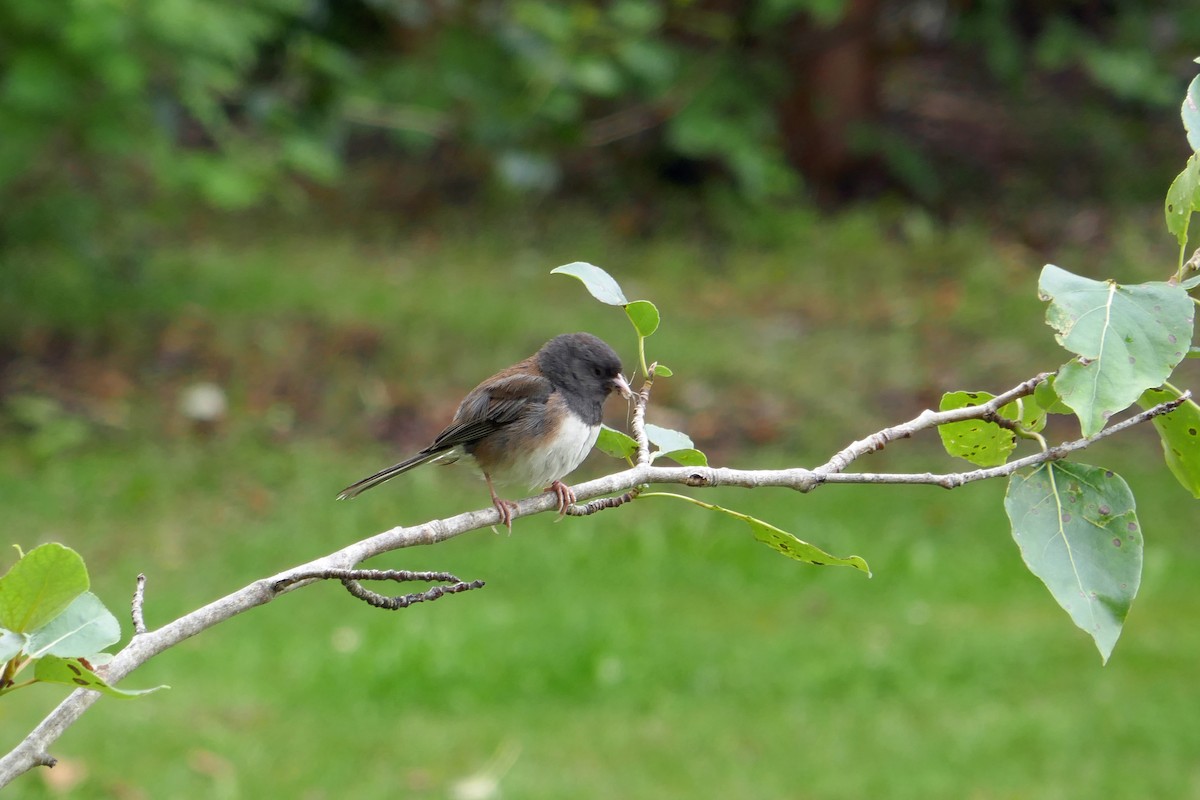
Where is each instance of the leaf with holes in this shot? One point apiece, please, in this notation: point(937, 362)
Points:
point(75, 673)
point(785, 543)
point(1183, 198)
point(1129, 338)
point(981, 442)
point(1180, 435)
point(778, 540)
point(984, 444)
point(1078, 532)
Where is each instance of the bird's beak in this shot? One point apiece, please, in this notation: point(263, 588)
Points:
point(622, 386)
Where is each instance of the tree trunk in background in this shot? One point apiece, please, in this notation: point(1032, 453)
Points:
point(835, 87)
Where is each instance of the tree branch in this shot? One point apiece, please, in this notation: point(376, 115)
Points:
point(926, 419)
point(32, 751)
point(637, 425)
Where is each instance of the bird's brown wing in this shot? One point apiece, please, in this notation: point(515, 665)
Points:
point(498, 401)
point(490, 406)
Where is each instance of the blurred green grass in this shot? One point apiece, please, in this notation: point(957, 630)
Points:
point(654, 651)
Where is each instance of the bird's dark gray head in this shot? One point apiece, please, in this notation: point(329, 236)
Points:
point(585, 369)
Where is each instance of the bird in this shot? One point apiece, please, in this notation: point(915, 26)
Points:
point(532, 423)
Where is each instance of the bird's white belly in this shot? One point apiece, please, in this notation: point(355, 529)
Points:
point(569, 447)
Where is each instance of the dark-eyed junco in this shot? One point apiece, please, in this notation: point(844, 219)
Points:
point(532, 423)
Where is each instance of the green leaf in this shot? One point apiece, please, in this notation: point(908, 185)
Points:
point(981, 442)
point(984, 444)
point(667, 439)
point(1180, 435)
point(1183, 197)
point(778, 540)
point(1191, 283)
point(662, 371)
point(85, 628)
point(686, 457)
point(74, 673)
point(676, 446)
point(1028, 412)
point(616, 444)
point(598, 282)
point(1048, 400)
point(1129, 337)
point(644, 316)
point(11, 643)
point(1078, 532)
point(1191, 114)
point(40, 586)
point(783, 542)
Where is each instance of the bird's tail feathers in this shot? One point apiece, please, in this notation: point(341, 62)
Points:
point(356, 489)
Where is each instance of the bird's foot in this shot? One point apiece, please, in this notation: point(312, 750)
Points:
point(565, 495)
point(506, 509)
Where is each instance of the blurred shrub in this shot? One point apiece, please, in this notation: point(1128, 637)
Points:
point(545, 93)
point(104, 103)
point(109, 106)
point(534, 89)
point(1136, 52)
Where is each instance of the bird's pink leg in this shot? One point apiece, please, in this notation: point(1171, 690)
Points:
point(565, 494)
point(505, 507)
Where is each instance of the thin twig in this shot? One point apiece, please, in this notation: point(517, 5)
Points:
point(637, 425)
point(398, 575)
point(137, 608)
point(350, 579)
point(1013, 425)
point(926, 419)
point(393, 603)
point(602, 503)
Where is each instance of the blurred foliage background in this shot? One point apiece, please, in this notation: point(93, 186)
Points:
point(251, 251)
point(117, 106)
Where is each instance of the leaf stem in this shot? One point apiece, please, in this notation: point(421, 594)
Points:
point(16, 686)
point(692, 500)
point(10, 671)
point(1191, 265)
point(1041, 440)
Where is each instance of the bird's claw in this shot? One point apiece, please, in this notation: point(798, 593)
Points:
point(565, 495)
point(506, 509)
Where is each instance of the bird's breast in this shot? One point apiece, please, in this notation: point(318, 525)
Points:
point(558, 454)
